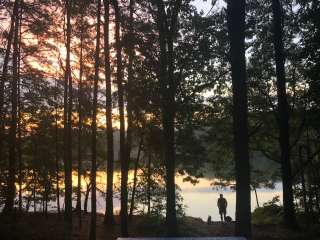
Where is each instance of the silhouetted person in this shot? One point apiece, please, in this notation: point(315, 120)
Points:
point(222, 205)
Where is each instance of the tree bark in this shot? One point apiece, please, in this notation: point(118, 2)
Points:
point(67, 128)
point(109, 218)
point(149, 183)
point(34, 193)
point(129, 83)
point(85, 204)
point(168, 90)
point(303, 184)
point(288, 205)
point(4, 75)
point(19, 152)
point(56, 148)
point(310, 180)
point(94, 129)
point(136, 166)
point(123, 157)
point(236, 28)
point(80, 124)
point(11, 190)
point(256, 194)
point(20, 177)
point(34, 178)
point(46, 195)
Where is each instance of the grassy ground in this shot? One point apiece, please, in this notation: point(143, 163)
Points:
point(39, 227)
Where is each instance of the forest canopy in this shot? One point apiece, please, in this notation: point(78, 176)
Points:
point(158, 88)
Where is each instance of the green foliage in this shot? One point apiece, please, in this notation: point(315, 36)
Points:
point(270, 213)
point(151, 186)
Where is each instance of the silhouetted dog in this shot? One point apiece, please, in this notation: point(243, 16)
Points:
point(228, 219)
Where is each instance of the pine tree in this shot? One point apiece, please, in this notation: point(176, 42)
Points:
point(236, 28)
point(4, 74)
point(80, 113)
point(11, 189)
point(167, 32)
point(67, 158)
point(288, 205)
point(94, 129)
point(110, 153)
point(123, 157)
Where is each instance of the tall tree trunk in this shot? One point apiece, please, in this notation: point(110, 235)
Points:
point(288, 205)
point(256, 194)
point(28, 203)
point(34, 193)
point(310, 197)
point(19, 152)
point(11, 190)
point(46, 203)
point(129, 83)
point(34, 179)
point(80, 124)
point(86, 196)
point(316, 186)
point(123, 157)
point(310, 178)
point(19, 117)
point(168, 114)
point(136, 166)
point(110, 153)
point(5, 72)
point(94, 129)
point(42, 201)
point(236, 27)
point(168, 89)
point(67, 128)
point(56, 148)
point(168, 128)
point(317, 203)
point(303, 184)
point(46, 195)
point(149, 183)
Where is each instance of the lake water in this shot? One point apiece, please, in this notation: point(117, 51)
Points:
point(200, 199)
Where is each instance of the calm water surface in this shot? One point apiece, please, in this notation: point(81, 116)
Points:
point(200, 199)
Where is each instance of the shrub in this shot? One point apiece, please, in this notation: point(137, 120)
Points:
point(270, 213)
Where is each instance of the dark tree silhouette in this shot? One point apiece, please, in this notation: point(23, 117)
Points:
point(110, 153)
point(94, 129)
point(283, 116)
point(67, 157)
point(123, 157)
point(19, 116)
point(135, 172)
point(129, 82)
point(11, 190)
point(167, 31)
point(80, 114)
point(4, 74)
point(56, 139)
point(236, 28)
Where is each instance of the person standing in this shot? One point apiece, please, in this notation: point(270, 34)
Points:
point(222, 205)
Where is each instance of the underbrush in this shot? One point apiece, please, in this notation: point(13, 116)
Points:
point(270, 213)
